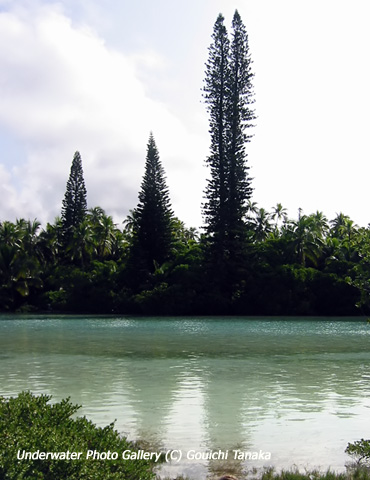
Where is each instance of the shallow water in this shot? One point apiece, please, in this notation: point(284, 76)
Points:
point(295, 388)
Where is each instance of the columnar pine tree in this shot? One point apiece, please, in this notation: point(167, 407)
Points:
point(229, 96)
point(152, 218)
point(240, 117)
point(74, 204)
point(216, 97)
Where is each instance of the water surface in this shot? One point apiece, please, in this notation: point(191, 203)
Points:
point(297, 388)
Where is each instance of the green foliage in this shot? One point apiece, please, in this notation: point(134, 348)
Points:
point(88, 290)
point(74, 202)
point(19, 262)
point(94, 273)
point(31, 423)
point(360, 450)
point(295, 474)
point(217, 75)
point(228, 96)
point(152, 218)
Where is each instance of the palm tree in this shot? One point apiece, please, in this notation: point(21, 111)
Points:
point(347, 230)
point(337, 223)
point(28, 231)
point(320, 224)
point(261, 224)
point(49, 242)
point(252, 207)
point(94, 214)
point(19, 262)
point(307, 240)
point(129, 225)
point(279, 214)
point(107, 238)
point(104, 234)
point(80, 245)
point(10, 234)
point(348, 233)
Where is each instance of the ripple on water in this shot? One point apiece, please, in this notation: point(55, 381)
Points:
point(296, 387)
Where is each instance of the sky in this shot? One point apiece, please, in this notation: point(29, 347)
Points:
point(97, 76)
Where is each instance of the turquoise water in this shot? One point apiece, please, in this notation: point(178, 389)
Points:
point(296, 388)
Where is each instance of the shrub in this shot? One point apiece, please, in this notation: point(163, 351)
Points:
point(360, 450)
point(29, 423)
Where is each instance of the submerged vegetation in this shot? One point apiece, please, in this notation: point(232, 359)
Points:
point(247, 260)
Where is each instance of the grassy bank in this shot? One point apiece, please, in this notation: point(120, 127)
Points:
point(355, 472)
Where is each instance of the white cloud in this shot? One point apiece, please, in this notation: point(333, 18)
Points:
point(7, 192)
point(63, 90)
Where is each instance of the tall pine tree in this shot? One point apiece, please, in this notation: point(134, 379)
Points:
point(240, 117)
point(228, 94)
point(74, 203)
point(153, 217)
point(216, 97)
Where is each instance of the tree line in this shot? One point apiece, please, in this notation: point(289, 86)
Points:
point(247, 260)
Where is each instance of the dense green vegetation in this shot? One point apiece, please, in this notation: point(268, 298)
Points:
point(304, 266)
point(246, 261)
point(30, 423)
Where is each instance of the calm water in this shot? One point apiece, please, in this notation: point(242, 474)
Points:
point(297, 388)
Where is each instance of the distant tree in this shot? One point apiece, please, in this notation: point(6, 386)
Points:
point(74, 204)
point(105, 234)
point(152, 218)
point(279, 213)
point(252, 207)
point(261, 225)
point(19, 262)
point(228, 95)
point(321, 224)
point(216, 99)
point(306, 239)
point(337, 223)
point(240, 117)
point(50, 242)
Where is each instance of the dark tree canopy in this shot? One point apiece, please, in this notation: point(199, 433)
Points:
point(249, 261)
point(228, 95)
point(74, 204)
point(152, 218)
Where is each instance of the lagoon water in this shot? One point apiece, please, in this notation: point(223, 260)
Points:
point(295, 388)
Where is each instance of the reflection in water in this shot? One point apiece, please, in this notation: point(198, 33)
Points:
point(298, 389)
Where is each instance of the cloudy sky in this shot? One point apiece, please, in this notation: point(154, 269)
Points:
point(98, 75)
